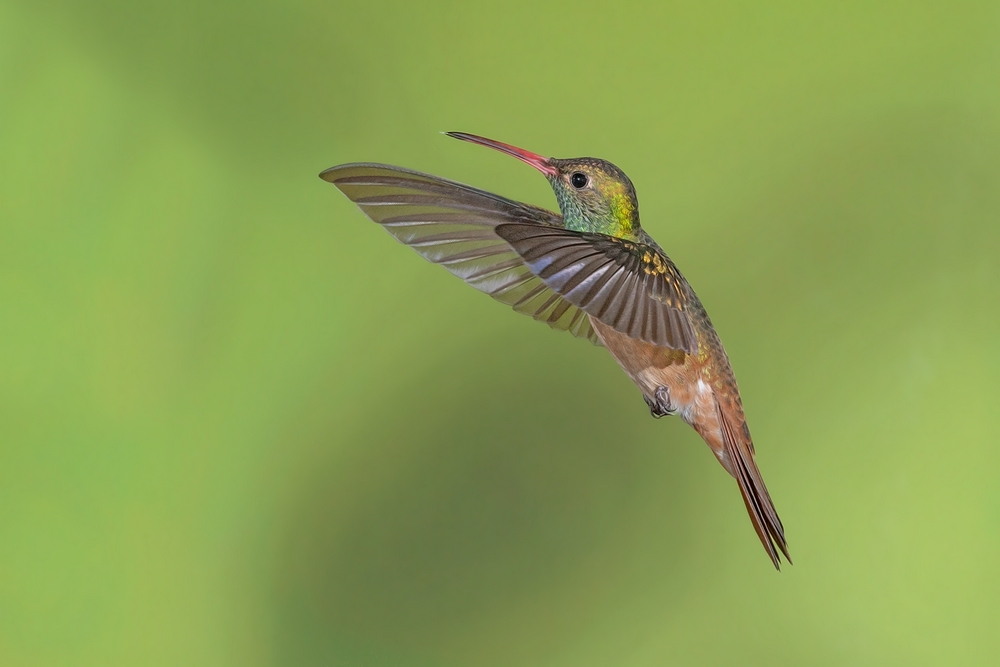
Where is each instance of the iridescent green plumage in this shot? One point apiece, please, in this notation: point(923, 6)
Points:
point(606, 204)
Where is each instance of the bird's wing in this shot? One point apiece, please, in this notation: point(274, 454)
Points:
point(631, 287)
point(454, 225)
point(739, 449)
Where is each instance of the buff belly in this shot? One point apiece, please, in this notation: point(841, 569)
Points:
point(651, 367)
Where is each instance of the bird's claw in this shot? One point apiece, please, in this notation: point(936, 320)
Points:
point(660, 405)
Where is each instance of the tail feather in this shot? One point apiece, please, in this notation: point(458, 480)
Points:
point(755, 496)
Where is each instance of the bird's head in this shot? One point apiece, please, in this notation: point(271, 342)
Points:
point(594, 195)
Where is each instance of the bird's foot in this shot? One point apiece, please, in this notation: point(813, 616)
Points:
point(660, 405)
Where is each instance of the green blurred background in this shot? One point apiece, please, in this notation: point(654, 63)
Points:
point(240, 425)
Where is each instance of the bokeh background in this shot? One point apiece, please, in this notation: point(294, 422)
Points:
point(240, 425)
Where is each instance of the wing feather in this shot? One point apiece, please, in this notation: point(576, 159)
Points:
point(454, 225)
point(628, 285)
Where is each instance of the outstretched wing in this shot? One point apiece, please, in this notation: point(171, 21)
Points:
point(454, 225)
point(631, 287)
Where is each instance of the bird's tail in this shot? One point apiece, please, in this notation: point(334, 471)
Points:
point(739, 450)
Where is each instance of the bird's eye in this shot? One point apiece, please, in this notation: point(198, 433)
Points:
point(579, 180)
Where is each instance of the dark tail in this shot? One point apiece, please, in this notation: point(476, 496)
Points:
point(765, 519)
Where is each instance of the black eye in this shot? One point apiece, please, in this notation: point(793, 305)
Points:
point(579, 180)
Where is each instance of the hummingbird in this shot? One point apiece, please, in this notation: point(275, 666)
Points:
point(591, 270)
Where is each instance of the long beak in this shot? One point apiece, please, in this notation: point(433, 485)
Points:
point(542, 164)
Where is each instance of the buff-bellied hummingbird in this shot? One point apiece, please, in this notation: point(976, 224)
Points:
point(592, 271)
